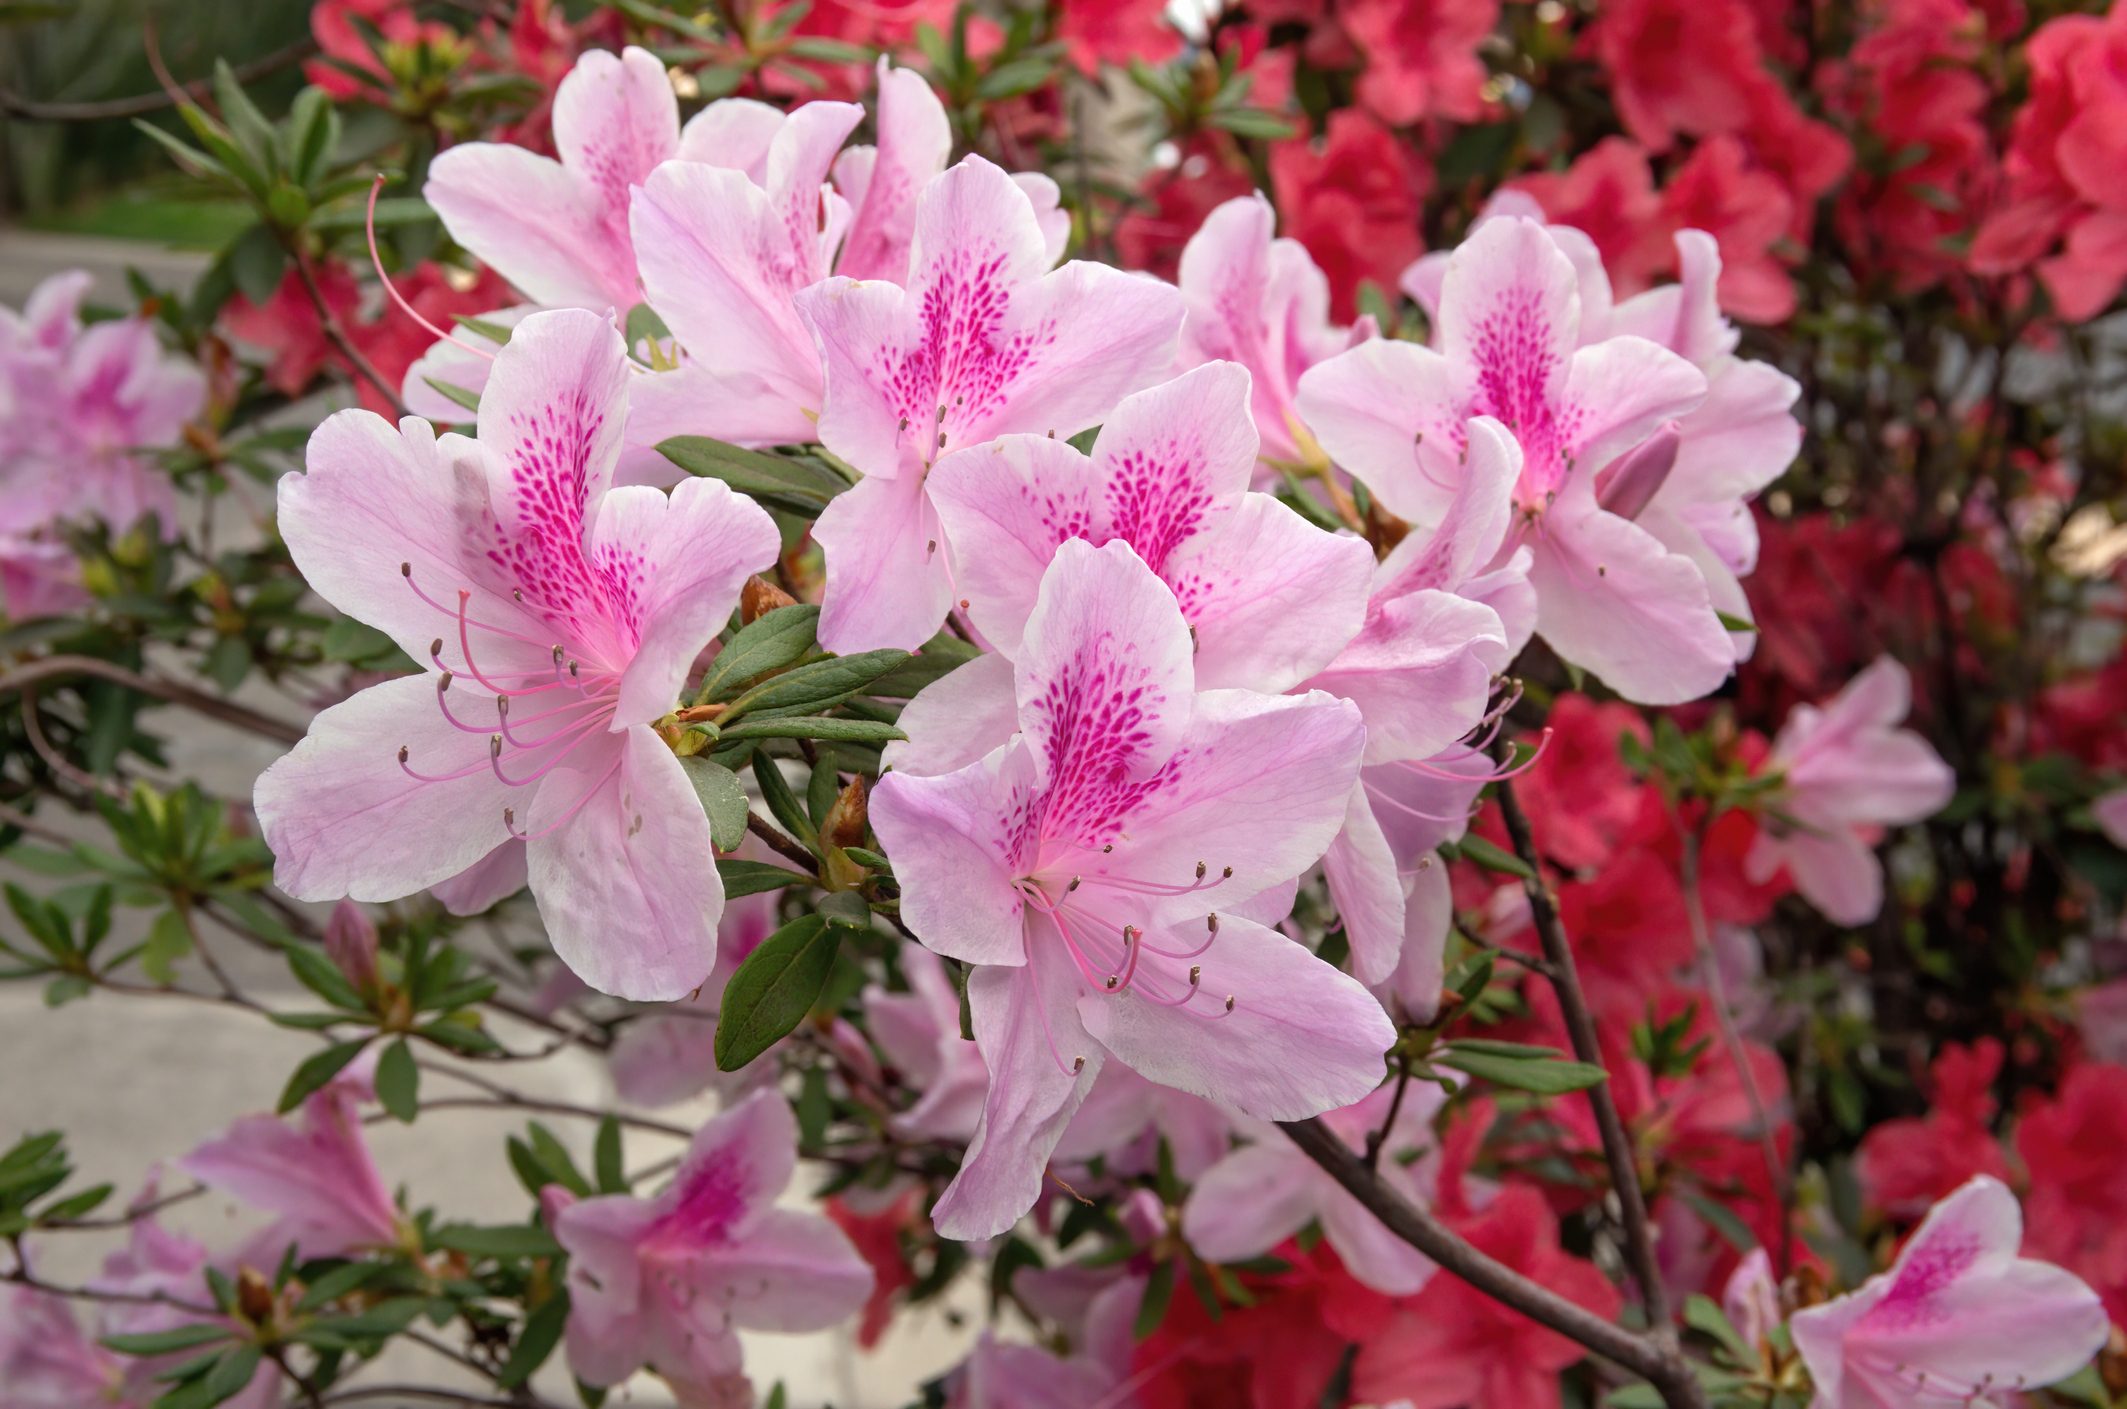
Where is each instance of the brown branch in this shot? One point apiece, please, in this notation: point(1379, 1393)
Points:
point(21, 1277)
point(171, 691)
point(783, 844)
point(59, 763)
point(336, 334)
point(13, 104)
point(1580, 1028)
point(1661, 1365)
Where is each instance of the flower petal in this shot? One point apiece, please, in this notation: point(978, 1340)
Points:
point(1391, 413)
point(345, 819)
point(887, 582)
point(1271, 596)
point(565, 258)
point(957, 718)
point(1251, 1201)
point(485, 884)
point(1300, 1039)
point(950, 837)
point(1367, 891)
point(792, 1271)
point(914, 143)
point(624, 882)
point(1006, 505)
point(1421, 672)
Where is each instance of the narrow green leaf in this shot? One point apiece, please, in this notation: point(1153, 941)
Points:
point(1483, 853)
point(775, 640)
point(1159, 1290)
point(541, 1333)
point(755, 877)
point(399, 1081)
point(834, 731)
point(814, 688)
point(1545, 1078)
point(470, 400)
point(799, 486)
point(169, 939)
point(723, 798)
point(319, 1069)
point(605, 1158)
point(170, 1341)
point(774, 988)
point(516, 1240)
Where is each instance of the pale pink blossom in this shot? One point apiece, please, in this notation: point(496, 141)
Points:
point(1269, 597)
point(38, 577)
point(1268, 1190)
point(1092, 1375)
point(1263, 303)
point(1751, 1300)
point(82, 409)
point(667, 1282)
point(664, 1057)
point(312, 1171)
point(984, 341)
point(1959, 1319)
point(919, 1032)
point(1611, 597)
point(47, 1361)
point(1098, 868)
point(559, 619)
point(1846, 772)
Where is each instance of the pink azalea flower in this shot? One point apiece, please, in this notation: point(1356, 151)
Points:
point(158, 1263)
point(48, 1362)
point(313, 1172)
point(1098, 867)
point(1959, 1319)
point(1610, 596)
point(919, 1031)
point(1751, 1300)
point(665, 1057)
point(80, 408)
point(665, 1282)
point(1847, 771)
point(559, 619)
point(981, 343)
point(1267, 1191)
point(1269, 597)
point(1442, 623)
point(558, 230)
point(1002, 1375)
point(1263, 303)
point(38, 577)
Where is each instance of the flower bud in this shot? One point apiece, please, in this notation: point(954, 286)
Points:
point(760, 597)
point(351, 943)
point(1634, 478)
point(254, 1296)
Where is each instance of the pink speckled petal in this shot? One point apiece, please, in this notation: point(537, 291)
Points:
point(1175, 453)
point(1618, 392)
point(623, 880)
point(887, 581)
point(615, 118)
point(1006, 506)
point(957, 719)
point(566, 258)
point(553, 415)
point(914, 142)
point(1510, 304)
point(952, 837)
point(1272, 597)
point(734, 1168)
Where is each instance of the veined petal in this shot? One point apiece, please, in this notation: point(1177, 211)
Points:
point(1367, 891)
point(615, 118)
point(1474, 525)
point(1612, 600)
point(887, 581)
point(1619, 391)
point(1300, 1039)
point(1006, 505)
point(914, 142)
point(733, 133)
point(485, 884)
point(1079, 340)
point(566, 257)
point(793, 1271)
point(687, 555)
point(1271, 596)
point(732, 1172)
point(553, 413)
point(1030, 1035)
point(345, 819)
point(1251, 1201)
point(624, 878)
point(1421, 672)
point(1510, 306)
point(957, 718)
point(953, 838)
point(1391, 413)
point(1173, 454)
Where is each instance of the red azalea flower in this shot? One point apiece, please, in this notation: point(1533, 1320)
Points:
point(1353, 203)
point(1907, 1165)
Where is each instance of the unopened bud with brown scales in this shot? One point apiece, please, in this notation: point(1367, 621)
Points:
point(844, 825)
point(760, 597)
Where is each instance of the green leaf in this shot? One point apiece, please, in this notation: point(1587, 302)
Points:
point(1517, 1051)
point(399, 1081)
point(774, 988)
point(459, 1037)
point(231, 1373)
point(321, 976)
point(941, 656)
point(541, 1333)
point(317, 1070)
point(515, 1240)
point(756, 877)
point(169, 939)
point(65, 989)
point(606, 1166)
point(1483, 853)
point(1545, 1078)
point(815, 688)
point(1159, 1290)
point(1009, 80)
point(1252, 122)
point(775, 791)
point(470, 400)
point(800, 486)
point(1735, 623)
point(1703, 1315)
point(774, 641)
point(835, 731)
point(257, 261)
point(339, 1282)
point(723, 797)
point(170, 1341)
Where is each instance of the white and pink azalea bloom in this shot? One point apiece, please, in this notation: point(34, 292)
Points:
point(312, 1171)
point(39, 577)
point(985, 340)
point(667, 1055)
point(1751, 1300)
point(1098, 865)
point(82, 409)
point(1611, 597)
point(1958, 1320)
point(1269, 597)
point(1262, 302)
point(1737, 441)
point(919, 1033)
point(667, 1282)
point(1094, 1375)
point(558, 229)
point(1268, 1190)
point(1448, 610)
point(559, 619)
point(1125, 1119)
point(47, 1361)
point(1847, 771)
point(153, 1279)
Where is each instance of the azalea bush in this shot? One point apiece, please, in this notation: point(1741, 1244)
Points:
point(1349, 703)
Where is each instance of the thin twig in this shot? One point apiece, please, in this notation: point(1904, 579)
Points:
point(21, 1277)
point(58, 762)
point(13, 104)
point(1580, 1028)
point(1661, 1365)
point(336, 333)
point(781, 842)
point(199, 701)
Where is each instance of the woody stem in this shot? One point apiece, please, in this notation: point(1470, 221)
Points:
point(1660, 1364)
point(1580, 1029)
